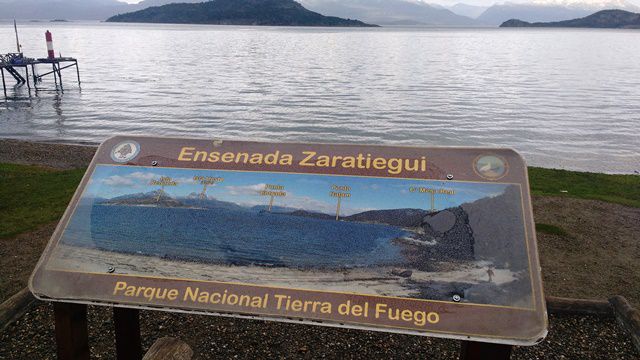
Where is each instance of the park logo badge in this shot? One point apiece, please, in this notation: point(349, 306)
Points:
point(125, 151)
point(490, 167)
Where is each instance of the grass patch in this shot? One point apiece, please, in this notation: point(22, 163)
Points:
point(550, 229)
point(31, 196)
point(619, 189)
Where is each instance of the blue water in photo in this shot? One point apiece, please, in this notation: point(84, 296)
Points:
point(234, 237)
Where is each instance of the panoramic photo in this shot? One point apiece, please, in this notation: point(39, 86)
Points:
point(391, 237)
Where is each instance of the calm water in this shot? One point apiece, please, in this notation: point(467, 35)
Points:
point(563, 98)
point(205, 235)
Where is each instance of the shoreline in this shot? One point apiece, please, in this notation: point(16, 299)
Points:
point(46, 154)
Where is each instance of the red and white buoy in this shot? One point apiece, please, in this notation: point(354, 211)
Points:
point(50, 52)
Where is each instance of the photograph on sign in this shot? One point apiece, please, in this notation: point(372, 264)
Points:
point(416, 239)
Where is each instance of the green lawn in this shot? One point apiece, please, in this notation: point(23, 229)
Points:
point(31, 196)
point(619, 189)
point(550, 229)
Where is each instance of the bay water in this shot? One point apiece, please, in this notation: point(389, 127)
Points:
point(564, 98)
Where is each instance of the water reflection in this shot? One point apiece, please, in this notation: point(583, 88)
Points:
point(60, 120)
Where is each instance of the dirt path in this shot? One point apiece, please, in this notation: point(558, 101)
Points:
point(60, 156)
point(18, 257)
point(600, 255)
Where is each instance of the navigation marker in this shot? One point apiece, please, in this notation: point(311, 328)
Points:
point(339, 191)
point(433, 192)
point(164, 181)
point(205, 182)
point(273, 191)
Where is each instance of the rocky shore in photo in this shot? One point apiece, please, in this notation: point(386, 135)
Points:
point(468, 233)
point(469, 280)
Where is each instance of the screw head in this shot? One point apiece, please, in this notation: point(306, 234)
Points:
point(154, 163)
point(449, 176)
point(456, 298)
point(111, 269)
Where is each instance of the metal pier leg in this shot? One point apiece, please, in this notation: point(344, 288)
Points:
point(35, 78)
point(26, 70)
point(4, 85)
point(16, 75)
point(55, 77)
point(60, 78)
point(78, 73)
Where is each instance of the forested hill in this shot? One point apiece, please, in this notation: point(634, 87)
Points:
point(614, 19)
point(236, 12)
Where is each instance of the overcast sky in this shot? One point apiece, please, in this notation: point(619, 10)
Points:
point(309, 192)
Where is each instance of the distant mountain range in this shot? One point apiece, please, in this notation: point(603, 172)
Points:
point(159, 198)
point(236, 12)
point(383, 12)
point(497, 14)
point(390, 12)
point(548, 11)
point(156, 198)
point(614, 19)
point(471, 11)
point(394, 217)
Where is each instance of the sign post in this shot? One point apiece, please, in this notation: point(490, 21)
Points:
point(71, 331)
point(472, 350)
point(127, 329)
point(141, 232)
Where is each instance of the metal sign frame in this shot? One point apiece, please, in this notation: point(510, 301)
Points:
point(464, 321)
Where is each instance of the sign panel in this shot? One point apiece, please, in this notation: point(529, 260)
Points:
point(430, 241)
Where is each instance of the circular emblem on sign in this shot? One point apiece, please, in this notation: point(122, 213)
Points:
point(490, 167)
point(125, 151)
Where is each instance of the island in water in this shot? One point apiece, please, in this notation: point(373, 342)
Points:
point(236, 12)
point(611, 19)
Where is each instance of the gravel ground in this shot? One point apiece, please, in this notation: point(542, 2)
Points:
point(18, 257)
point(61, 156)
point(570, 337)
point(598, 258)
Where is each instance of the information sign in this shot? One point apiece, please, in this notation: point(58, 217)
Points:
point(430, 241)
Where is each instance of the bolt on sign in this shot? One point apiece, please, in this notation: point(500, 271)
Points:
point(429, 241)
